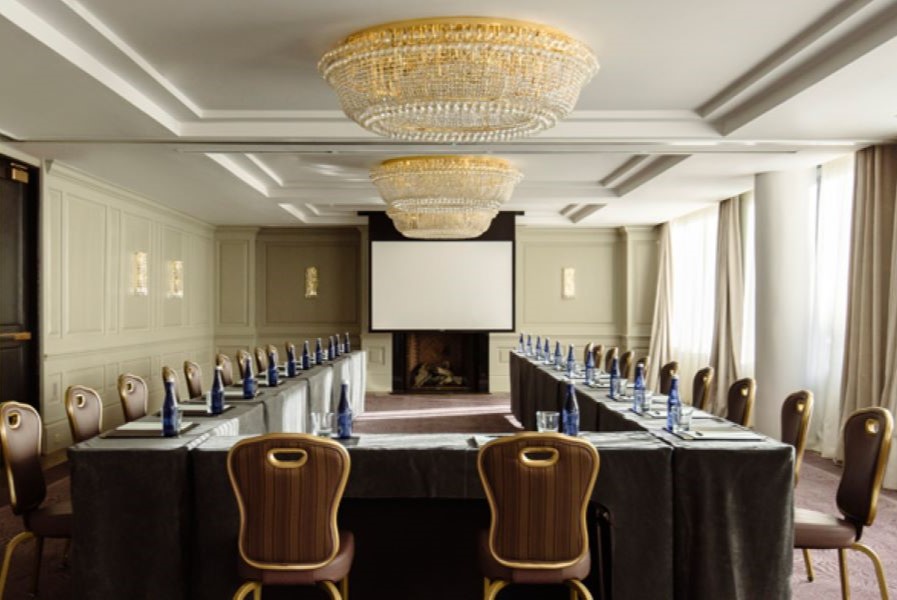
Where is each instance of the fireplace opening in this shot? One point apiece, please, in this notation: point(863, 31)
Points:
point(440, 362)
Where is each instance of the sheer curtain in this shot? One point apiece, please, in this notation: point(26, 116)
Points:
point(693, 245)
point(825, 353)
point(748, 329)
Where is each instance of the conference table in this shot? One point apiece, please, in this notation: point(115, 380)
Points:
point(132, 495)
point(732, 504)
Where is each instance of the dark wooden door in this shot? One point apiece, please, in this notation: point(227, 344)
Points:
point(19, 348)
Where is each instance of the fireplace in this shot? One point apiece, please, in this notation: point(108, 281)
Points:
point(440, 362)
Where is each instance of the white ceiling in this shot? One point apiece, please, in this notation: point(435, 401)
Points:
point(223, 98)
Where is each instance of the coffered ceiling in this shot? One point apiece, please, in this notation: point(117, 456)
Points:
point(216, 108)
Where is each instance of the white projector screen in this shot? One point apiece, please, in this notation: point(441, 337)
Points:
point(442, 285)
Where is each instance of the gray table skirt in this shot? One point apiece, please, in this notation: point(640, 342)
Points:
point(443, 466)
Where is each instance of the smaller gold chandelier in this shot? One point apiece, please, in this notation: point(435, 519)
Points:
point(444, 197)
point(458, 79)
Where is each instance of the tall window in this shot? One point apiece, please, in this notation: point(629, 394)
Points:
point(834, 198)
point(693, 244)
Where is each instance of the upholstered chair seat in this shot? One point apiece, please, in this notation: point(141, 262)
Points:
point(492, 569)
point(813, 529)
point(50, 520)
point(335, 570)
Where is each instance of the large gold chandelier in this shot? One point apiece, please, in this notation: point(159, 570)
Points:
point(458, 79)
point(444, 197)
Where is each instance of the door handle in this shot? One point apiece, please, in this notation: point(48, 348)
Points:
point(17, 336)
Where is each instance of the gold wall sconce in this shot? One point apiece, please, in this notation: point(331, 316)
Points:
point(568, 283)
point(175, 279)
point(139, 274)
point(311, 282)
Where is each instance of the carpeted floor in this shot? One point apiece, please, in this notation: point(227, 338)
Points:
point(490, 414)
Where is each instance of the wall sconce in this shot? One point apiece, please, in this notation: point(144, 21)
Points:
point(139, 275)
point(311, 282)
point(568, 283)
point(175, 279)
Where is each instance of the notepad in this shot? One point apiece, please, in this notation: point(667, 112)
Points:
point(734, 435)
point(238, 394)
point(199, 410)
point(150, 426)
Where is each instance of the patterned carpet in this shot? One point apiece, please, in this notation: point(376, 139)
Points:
point(490, 414)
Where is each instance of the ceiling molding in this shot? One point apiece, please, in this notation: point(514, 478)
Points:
point(622, 170)
point(876, 30)
point(789, 50)
point(655, 167)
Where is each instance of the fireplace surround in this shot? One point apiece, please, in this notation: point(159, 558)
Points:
point(444, 362)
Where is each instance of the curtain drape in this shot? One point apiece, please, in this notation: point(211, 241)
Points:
point(828, 311)
point(659, 350)
point(725, 349)
point(870, 350)
point(693, 257)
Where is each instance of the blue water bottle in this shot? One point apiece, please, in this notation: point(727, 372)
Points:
point(538, 354)
point(171, 416)
point(571, 362)
point(217, 393)
point(306, 359)
point(590, 365)
point(319, 353)
point(291, 360)
point(673, 405)
point(615, 379)
point(348, 344)
point(248, 380)
point(529, 345)
point(547, 353)
point(344, 413)
point(638, 393)
point(272, 370)
point(520, 345)
point(558, 356)
point(332, 352)
point(570, 412)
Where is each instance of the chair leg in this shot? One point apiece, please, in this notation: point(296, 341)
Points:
point(331, 589)
point(808, 561)
point(344, 587)
point(7, 556)
point(38, 553)
point(580, 590)
point(250, 586)
point(879, 568)
point(494, 588)
point(845, 579)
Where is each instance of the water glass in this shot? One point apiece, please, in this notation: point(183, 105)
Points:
point(686, 412)
point(322, 423)
point(547, 420)
point(649, 401)
point(619, 389)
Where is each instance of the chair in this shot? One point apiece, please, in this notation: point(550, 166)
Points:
point(586, 352)
point(796, 413)
point(598, 354)
point(271, 349)
point(20, 441)
point(666, 376)
point(134, 396)
point(84, 408)
point(543, 540)
point(627, 365)
point(242, 355)
point(227, 369)
point(261, 360)
point(867, 442)
point(193, 375)
point(169, 375)
point(700, 389)
point(609, 357)
point(288, 489)
point(740, 401)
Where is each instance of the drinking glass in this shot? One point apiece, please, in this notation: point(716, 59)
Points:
point(547, 420)
point(686, 412)
point(322, 423)
point(649, 400)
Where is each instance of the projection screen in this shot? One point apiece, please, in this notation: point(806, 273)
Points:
point(442, 285)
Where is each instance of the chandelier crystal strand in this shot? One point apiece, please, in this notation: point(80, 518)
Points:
point(458, 79)
point(444, 197)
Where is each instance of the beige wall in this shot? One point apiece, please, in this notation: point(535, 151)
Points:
point(616, 271)
point(261, 286)
point(93, 328)
point(615, 277)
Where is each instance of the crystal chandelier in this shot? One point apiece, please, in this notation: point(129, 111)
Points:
point(458, 79)
point(444, 197)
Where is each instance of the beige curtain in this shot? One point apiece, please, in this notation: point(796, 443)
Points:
point(660, 350)
point(870, 348)
point(725, 349)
